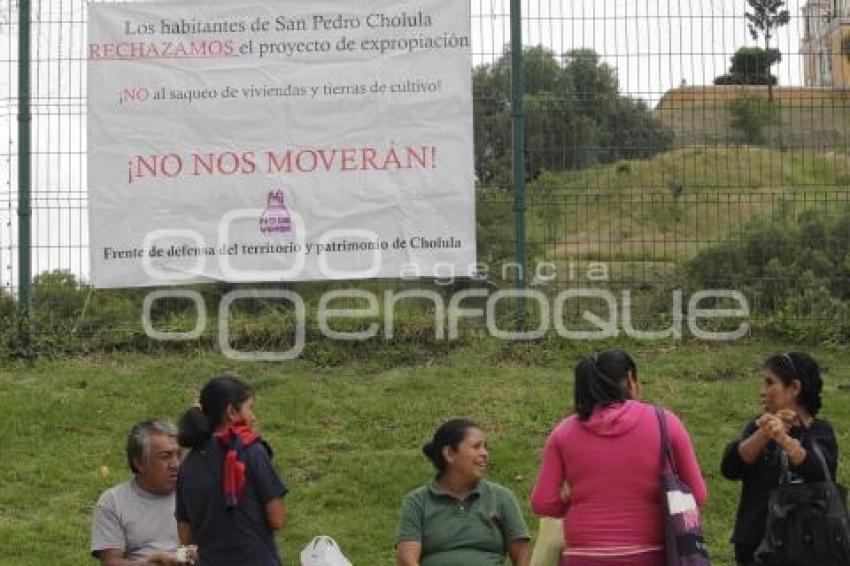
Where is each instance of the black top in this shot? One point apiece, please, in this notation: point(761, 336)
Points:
point(761, 477)
point(238, 537)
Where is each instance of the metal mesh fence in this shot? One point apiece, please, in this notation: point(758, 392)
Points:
point(58, 95)
point(635, 159)
point(8, 192)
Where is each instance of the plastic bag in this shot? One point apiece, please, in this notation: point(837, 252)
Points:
point(323, 551)
point(549, 544)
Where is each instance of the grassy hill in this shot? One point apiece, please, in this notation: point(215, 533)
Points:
point(347, 440)
point(643, 220)
point(665, 209)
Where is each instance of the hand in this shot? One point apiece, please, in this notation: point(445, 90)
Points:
point(175, 558)
point(789, 418)
point(164, 559)
point(772, 427)
point(191, 554)
point(761, 424)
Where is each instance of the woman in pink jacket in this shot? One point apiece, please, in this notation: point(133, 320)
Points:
point(601, 467)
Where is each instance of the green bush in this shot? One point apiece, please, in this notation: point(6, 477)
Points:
point(751, 66)
point(70, 317)
point(794, 272)
point(751, 116)
point(8, 323)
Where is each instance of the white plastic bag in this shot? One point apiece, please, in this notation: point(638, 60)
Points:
point(323, 551)
point(549, 544)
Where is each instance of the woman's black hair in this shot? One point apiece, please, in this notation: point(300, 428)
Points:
point(600, 381)
point(451, 433)
point(800, 366)
point(198, 424)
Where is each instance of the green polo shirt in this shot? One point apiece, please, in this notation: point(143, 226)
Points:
point(473, 532)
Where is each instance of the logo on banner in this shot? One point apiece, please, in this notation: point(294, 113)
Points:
point(275, 218)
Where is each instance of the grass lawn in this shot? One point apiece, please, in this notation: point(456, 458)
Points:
point(347, 439)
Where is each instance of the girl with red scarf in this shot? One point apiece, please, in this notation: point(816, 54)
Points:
point(229, 497)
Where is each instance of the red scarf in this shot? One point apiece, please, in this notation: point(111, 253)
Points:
point(235, 438)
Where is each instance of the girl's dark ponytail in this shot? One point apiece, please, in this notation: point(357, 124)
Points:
point(199, 423)
point(194, 429)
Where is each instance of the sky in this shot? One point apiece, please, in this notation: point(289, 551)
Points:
point(654, 45)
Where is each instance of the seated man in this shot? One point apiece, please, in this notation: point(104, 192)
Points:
point(134, 521)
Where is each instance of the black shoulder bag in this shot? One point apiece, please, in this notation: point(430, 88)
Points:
point(807, 523)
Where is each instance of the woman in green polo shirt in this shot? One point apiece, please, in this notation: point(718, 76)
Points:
point(459, 517)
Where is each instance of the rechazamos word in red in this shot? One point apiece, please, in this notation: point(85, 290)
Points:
point(162, 49)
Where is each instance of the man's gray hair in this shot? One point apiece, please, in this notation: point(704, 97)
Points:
point(139, 440)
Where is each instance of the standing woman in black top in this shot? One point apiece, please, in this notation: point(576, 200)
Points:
point(791, 396)
point(229, 496)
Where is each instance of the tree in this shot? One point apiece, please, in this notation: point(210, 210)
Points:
point(766, 17)
point(751, 66)
point(575, 115)
point(492, 125)
point(750, 116)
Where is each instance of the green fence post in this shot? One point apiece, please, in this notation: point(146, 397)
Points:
point(24, 174)
point(518, 148)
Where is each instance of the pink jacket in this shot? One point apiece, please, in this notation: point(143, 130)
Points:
point(611, 463)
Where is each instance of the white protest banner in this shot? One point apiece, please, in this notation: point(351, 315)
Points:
point(279, 140)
